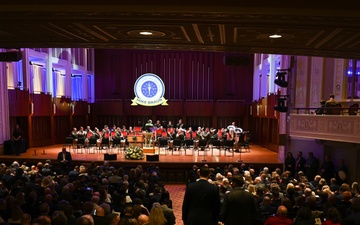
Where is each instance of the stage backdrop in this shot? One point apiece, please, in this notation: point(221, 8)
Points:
point(202, 88)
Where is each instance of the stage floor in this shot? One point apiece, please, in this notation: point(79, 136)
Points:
point(256, 155)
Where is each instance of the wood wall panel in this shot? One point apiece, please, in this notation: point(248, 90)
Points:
point(62, 128)
point(137, 110)
point(80, 108)
point(108, 107)
point(224, 122)
point(41, 131)
point(199, 108)
point(79, 121)
point(42, 104)
point(230, 108)
point(108, 120)
point(174, 108)
point(62, 108)
point(19, 102)
point(199, 121)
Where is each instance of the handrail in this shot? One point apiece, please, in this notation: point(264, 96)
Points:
point(324, 110)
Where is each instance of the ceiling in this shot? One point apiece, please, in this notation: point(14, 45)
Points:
point(313, 28)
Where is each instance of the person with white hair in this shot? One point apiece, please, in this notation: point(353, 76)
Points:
point(218, 178)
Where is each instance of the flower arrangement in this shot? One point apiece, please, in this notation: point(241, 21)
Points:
point(134, 153)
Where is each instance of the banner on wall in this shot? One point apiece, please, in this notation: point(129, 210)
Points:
point(149, 90)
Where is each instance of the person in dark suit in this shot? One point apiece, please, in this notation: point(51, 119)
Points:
point(300, 163)
point(290, 164)
point(239, 206)
point(201, 205)
point(64, 158)
point(17, 138)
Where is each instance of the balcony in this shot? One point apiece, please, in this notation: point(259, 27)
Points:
point(343, 127)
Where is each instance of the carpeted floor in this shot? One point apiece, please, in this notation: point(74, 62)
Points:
point(177, 192)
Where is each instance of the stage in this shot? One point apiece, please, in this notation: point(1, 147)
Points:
point(255, 155)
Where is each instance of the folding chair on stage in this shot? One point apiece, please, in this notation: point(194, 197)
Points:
point(80, 145)
point(189, 146)
point(216, 145)
point(202, 146)
point(229, 148)
point(163, 144)
point(176, 146)
point(92, 144)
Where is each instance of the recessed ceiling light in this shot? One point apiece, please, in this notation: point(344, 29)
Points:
point(275, 36)
point(145, 33)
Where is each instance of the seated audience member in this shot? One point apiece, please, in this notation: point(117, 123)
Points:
point(331, 100)
point(168, 213)
point(156, 215)
point(280, 218)
point(354, 216)
point(304, 217)
point(143, 219)
point(84, 220)
point(321, 110)
point(333, 217)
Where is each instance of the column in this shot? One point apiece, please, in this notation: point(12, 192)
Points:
point(4, 108)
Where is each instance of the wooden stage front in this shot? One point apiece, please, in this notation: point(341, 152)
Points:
point(256, 156)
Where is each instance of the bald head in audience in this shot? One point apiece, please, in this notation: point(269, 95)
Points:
point(143, 219)
point(281, 211)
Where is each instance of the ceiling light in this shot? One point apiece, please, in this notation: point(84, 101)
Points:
point(275, 36)
point(145, 33)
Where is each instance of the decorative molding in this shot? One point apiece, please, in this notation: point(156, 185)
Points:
point(326, 127)
point(316, 81)
point(339, 76)
point(301, 81)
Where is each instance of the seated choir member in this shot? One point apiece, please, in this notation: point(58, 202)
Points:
point(74, 135)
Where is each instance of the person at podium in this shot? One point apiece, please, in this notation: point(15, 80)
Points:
point(148, 132)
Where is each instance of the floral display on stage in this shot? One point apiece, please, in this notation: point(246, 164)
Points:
point(134, 153)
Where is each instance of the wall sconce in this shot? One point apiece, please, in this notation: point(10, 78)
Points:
point(89, 109)
point(72, 108)
point(54, 109)
point(31, 108)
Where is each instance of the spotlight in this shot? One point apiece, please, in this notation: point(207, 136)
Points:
point(280, 79)
point(280, 107)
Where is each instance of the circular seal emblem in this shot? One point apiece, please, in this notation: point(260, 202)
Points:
point(149, 90)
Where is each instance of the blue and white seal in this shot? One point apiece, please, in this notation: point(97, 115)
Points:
point(149, 90)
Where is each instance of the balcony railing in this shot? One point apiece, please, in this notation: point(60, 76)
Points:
point(304, 123)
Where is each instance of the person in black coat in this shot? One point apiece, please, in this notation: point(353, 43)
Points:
point(239, 206)
point(327, 170)
point(17, 138)
point(290, 164)
point(201, 205)
point(299, 164)
point(64, 158)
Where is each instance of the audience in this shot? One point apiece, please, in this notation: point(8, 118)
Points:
point(98, 194)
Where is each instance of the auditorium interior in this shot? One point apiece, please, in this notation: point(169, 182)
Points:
point(65, 65)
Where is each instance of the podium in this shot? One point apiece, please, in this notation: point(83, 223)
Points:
point(138, 142)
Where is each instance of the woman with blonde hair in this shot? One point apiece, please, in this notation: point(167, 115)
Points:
point(156, 216)
point(252, 189)
point(355, 189)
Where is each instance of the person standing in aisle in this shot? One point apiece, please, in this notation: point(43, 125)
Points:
point(201, 205)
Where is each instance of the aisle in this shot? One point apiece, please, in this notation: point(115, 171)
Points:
point(177, 192)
